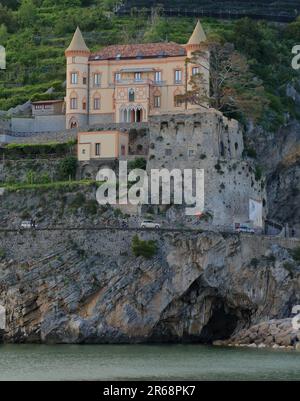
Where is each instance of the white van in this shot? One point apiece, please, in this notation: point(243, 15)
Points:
point(28, 225)
point(150, 224)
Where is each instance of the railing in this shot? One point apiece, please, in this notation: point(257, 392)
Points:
point(133, 81)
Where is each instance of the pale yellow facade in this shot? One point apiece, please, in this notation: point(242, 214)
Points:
point(128, 88)
point(102, 145)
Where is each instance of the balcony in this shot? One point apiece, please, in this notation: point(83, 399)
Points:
point(137, 82)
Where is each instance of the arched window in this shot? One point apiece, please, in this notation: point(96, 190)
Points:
point(97, 103)
point(73, 101)
point(131, 95)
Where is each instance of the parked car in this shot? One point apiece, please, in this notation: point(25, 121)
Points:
point(28, 225)
point(150, 224)
point(242, 228)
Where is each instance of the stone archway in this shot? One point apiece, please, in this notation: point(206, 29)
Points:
point(132, 114)
point(73, 124)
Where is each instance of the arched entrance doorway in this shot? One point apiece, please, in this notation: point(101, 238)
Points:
point(73, 123)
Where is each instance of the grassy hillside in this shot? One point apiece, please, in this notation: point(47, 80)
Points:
point(36, 33)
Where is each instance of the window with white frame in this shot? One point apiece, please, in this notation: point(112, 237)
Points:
point(195, 70)
point(97, 79)
point(98, 149)
point(117, 77)
point(73, 103)
point(178, 76)
point(97, 103)
point(157, 101)
point(137, 76)
point(157, 76)
point(74, 78)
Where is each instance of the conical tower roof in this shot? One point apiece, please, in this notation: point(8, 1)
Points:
point(78, 43)
point(198, 35)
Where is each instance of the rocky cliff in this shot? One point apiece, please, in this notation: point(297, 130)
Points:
point(88, 287)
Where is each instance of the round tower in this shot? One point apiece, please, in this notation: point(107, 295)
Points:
point(77, 88)
point(197, 43)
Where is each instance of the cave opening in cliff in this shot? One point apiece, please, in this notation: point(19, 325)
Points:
point(220, 326)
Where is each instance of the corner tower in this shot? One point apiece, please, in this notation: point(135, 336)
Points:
point(77, 88)
point(197, 43)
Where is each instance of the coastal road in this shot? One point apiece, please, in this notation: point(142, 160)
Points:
point(132, 229)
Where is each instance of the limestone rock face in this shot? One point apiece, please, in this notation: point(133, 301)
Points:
point(279, 154)
point(88, 287)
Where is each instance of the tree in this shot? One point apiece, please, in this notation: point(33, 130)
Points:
point(67, 168)
point(147, 249)
point(3, 34)
point(234, 90)
point(27, 13)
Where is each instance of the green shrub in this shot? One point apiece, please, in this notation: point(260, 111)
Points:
point(250, 152)
point(91, 207)
point(296, 254)
point(67, 168)
point(258, 173)
point(15, 150)
point(2, 253)
point(78, 201)
point(147, 249)
point(140, 163)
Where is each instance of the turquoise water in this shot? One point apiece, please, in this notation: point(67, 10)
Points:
point(145, 362)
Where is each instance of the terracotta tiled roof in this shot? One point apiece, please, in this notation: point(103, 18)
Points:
point(148, 50)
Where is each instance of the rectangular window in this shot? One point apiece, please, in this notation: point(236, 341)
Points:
point(74, 78)
point(97, 79)
point(157, 101)
point(97, 103)
point(195, 70)
point(178, 76)
point(157, 77)
point(39, 107)
point(123, 150)
point(117, 77)
point(168, 152)
point(84, 81)
point(191, 152)
point(97, 149)
point(137, 76)
point(73, 103)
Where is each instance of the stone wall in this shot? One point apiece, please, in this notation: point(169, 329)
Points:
point(211, 142)
point(38, 124)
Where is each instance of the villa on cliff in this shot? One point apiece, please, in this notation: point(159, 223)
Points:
point(129, 83)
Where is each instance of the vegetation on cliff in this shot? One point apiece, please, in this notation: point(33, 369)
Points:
point(36, 33)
